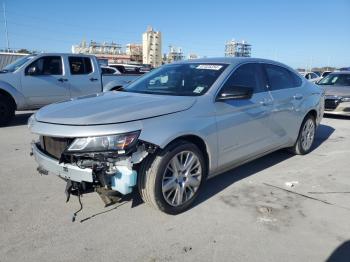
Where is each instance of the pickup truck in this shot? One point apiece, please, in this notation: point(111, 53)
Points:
point(34, 81)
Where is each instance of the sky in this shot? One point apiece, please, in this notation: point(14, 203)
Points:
point(299, 33)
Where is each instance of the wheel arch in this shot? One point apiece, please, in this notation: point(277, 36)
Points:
point(9, 96)
point(313, 113)
point(199, 142)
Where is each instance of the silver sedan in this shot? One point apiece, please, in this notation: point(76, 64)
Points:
point(337, 86)
point(178, 125)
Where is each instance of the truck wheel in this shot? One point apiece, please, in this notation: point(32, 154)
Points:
point(171, 179)
point(7, 110)
point(306, 136)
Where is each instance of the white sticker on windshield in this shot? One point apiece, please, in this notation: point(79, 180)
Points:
point(209, 67)
point(198, 89)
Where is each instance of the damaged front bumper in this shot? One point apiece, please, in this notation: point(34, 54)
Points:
point(121, 178)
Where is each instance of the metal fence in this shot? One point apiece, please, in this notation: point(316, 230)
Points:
point(7, 58)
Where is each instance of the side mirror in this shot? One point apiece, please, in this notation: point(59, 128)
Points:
point(235, 92)
point(32, 71)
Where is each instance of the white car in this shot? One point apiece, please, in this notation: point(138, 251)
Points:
point(108, 70)
point(311, 76)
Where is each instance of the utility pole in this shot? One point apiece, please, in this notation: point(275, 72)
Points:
point(6, 31)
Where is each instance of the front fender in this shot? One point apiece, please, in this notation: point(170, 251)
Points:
point(14, 93)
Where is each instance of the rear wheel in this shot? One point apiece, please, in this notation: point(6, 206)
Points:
point(7, 110)
point(306, 136)
point(171, 180)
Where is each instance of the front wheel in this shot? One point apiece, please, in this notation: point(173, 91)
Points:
point(306, 136)
point(171, 180)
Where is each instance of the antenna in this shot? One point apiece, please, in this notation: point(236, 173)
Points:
point(6, 31)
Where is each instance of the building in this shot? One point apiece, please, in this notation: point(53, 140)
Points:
point(152, 47)
point(175, 54)
point(193, 56)
point(238, 48)
point(135, 52)
point(112, 52)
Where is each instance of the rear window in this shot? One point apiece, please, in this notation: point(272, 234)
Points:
point(80, 65)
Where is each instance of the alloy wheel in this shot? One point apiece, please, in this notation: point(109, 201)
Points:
point(182, 178)
point(308, 134)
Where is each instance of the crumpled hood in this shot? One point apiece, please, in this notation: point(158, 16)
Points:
point(112, 107)
point(337, 91)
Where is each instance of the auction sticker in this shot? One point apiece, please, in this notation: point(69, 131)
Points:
point(209, 67)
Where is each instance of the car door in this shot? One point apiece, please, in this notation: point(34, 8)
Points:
point(286, 90)
point(243, 125)
point(84, 78)
point(43, 82)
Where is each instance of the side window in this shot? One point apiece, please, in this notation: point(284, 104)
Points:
point(80, 65)
point(279, 77)
point(47, 65)
point(296, 79)
point(248, 75)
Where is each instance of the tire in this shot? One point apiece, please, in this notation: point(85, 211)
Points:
point(7, 110)
point(168, 191)
point(306, 136)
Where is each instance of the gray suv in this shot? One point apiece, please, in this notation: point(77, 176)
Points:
point(177, 126)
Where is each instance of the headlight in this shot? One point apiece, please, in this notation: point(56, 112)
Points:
point(104, 143)
point(345, 99)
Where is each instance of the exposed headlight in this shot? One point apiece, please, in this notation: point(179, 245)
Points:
point(104, 143)
point(345, 99)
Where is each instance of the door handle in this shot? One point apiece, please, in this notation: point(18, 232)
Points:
point(62, 79)
point(298, 97)
point(93, 79)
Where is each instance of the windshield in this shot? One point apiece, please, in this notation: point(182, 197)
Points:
point(191, 79)
point(336, 80)
point(17, 64)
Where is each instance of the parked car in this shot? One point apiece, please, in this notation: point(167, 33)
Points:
point(38, 80)
point(176, 126)
point(319, 73)
point(337, 86)
point(108, 70)
point(325, 73)
point(311, 76)
point(344, 69)
point(128, 69)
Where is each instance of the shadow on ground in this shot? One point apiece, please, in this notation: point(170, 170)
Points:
point(340, 117)
point(341, 253)
point(219, 183)
point(20, 119)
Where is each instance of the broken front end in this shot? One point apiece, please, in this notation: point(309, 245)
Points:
point(105, 164)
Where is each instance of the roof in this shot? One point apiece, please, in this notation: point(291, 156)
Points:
point(340, 73)
point(233, 61)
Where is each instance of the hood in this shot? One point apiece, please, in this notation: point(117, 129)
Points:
point(112, 107)
point(337, 90)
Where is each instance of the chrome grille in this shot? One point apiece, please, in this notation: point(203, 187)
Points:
point(331, 104)
point(54, 146)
